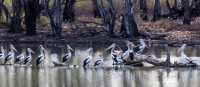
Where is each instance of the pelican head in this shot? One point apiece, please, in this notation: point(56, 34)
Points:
point(30, 51)
point(90, 50)
point(182, 48)
point(142, 42)
point(111, 46)
point(12, 47)
point(130, 44)
point(69, 48)
point(41, 47)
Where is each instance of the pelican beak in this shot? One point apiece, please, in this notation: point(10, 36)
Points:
point(13, 48)
point(90, 50)
point(31, 51)
point(69, 48)
point(111, 46)
point(41, 47)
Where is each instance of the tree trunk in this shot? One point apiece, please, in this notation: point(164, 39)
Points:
point(143, 9)
point(157, 10)
point(108, 15)
point(95, 9)
point(56, 18)
point(31, 12)
point(68, 14)
point(15, 25)
point(129, 20)
point(187, 17)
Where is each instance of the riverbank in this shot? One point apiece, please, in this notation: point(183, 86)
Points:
point(160, 32)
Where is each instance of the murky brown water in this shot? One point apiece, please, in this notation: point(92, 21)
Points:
point(18, 76)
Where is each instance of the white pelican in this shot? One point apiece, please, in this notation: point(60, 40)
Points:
point(184, 58)
point(2, 54)
point(29, 58)
point(88, 60)
point(41, 57)
point(11, 55)
point(99, 61)
point(68, 55)
point(19, 59)
point(139, 49)
point(129, 53)
point(116, 53)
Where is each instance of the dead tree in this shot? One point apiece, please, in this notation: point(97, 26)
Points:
point(95, 9)
point(31, 8)
point(143, 9)
point(128, 23)
point(56, 18)
point(15, 25)
point(157, 10)
point(108, 15)
point(68, 14)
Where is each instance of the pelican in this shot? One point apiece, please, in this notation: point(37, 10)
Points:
point(130, 52)
point(88, 60)
point(184, 58)
point(99, 61)
point(2, 54)
point(41, 56)
point(11, 55)
point(68, 55)
point(19, 59)
point(116, 54)
point(28, 58)
point(139, 49)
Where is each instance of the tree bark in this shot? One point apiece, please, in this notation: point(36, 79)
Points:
point(68, 14)
point(186, 7)
point(157, 10)
point(95, 9)
point(31, 12)
point(55, 15)
point(143, 9)
point(108, 15)
point(15, 26)
point(129, 20)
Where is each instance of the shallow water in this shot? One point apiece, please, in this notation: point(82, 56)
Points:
point(21, 76)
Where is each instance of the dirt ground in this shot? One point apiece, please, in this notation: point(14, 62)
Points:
point(163, 31)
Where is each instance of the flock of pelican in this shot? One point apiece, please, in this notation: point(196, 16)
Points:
point(117, 54)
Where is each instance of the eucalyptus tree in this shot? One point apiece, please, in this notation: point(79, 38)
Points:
point(55, 14)
point(31, 9)
point(128, 21)
point(108, 15)
point(16, 18)
point(3, 9)
point(143, 9)
point(68, 14)
point(95, 9)
point(187, 12)
point(157, 10)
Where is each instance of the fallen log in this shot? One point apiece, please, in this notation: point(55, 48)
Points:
point(140, 59)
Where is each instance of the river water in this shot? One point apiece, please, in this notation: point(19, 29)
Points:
point(24, 76)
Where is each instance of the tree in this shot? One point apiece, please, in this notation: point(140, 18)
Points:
point(55, 15)
point(157, 10)
point(68, 14)
point(15, 25)
point(108, 15)
point(31, 8)
point(128, 21)
point(95, 9)
point(143, 9)
point(187, 9)
point(4, 9)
